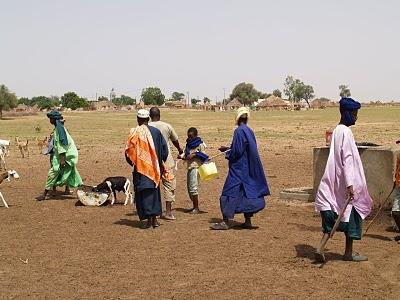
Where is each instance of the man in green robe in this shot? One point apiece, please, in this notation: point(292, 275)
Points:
point(63, 171)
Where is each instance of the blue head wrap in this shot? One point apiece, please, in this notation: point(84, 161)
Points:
point(347, 106)
point(55, 115)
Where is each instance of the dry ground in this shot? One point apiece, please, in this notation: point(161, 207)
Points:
point(55, 249)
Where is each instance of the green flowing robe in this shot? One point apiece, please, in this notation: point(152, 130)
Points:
point(68, 175)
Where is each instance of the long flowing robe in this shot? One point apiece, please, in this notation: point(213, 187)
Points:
point(147, 191)
point(246, 184)
point(343, 169)
point(68, 175)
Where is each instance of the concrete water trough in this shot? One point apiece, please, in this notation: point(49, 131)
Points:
point(379, 167)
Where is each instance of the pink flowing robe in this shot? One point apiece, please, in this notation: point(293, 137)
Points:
point(343, 169)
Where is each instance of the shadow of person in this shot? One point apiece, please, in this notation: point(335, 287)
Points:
point(307, 252)
point(378, 237)
point(129, 223)
point(306, 227)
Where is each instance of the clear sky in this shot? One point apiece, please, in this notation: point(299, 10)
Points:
point(48, 47)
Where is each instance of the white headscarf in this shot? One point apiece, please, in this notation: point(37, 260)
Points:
point(242, 111)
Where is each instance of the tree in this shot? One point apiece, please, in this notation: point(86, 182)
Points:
point(344, 91)
point(194, 101)
point(152, 96)
point(206, 100)
point(307, 93)
point(124, 100)
point(8, 100)
point(296, 90)
point(277, 93)
point(25, 101)
point(263, 95)
point(177, 96)
point(102, 98)
point(245, 93)
point(44, 102)
point(73, 101)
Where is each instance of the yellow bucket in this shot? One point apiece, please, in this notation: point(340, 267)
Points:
point(208, 171)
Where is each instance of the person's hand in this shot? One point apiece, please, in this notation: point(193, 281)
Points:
point(191, 156)
point(62, 161)
point(350, 192)
point(223, 148)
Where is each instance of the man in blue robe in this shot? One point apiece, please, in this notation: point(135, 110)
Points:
point(246, 185)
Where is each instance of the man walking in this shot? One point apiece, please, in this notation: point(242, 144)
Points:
point(343, 179)
point(146, 150)
point(169, 134)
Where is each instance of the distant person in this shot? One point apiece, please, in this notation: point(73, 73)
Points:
point(195, 156)
point(146, 151)
point(169, 134)
point(396, 203)
point(343, 179)
point(246, 185)
point(64, 158)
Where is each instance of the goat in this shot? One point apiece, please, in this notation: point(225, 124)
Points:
point(5, 144)
point(7, 176)
point(42, 143)
point(2, 157)
point(113, 184)
point(23, 147)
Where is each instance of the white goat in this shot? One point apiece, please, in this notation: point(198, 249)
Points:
point(7, 176)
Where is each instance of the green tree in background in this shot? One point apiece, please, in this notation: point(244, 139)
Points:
point(8, 100)
point(102, 98)
point(344, 91)
point(73, 101)
point(277, 93)
point(177, 96)
point(194, 102)
point(152, 96)
point(206, 100)
point(124, 100)
point(296, 90)
point(245, 93)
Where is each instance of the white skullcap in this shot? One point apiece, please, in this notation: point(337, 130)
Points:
point(143, 114)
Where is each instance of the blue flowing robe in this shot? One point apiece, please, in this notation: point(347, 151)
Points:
point(246, 185)
point(147, 195)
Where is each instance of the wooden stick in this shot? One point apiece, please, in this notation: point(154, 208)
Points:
point(380, 208)
point(349, 199)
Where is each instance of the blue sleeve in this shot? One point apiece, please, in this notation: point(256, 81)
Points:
point(238, 146)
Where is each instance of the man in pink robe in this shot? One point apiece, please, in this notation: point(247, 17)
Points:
point(343, 178)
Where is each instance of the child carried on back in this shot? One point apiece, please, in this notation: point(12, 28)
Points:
point(195, 157)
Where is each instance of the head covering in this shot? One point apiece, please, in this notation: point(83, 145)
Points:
point(143, 114)
point(242, 111)
point(347, 106)
point(56, 115)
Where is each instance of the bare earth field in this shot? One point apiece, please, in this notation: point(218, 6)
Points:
point(57, 250)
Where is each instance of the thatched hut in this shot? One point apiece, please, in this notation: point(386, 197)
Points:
point(103, 105)
point(234, 104)
point(175, 104)
point(273, 103)
point(322, 103)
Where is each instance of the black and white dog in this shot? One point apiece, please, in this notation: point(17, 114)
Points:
point(113, 185)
